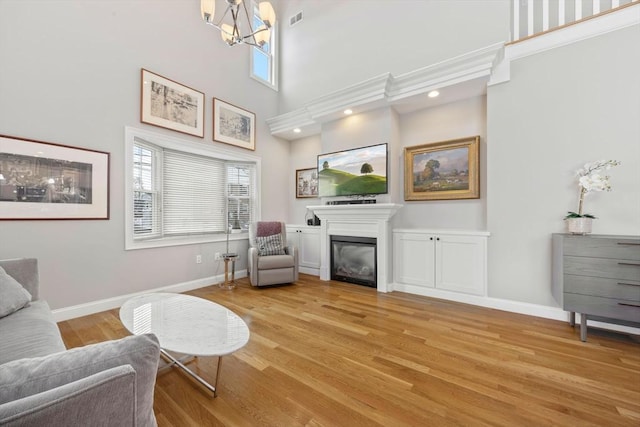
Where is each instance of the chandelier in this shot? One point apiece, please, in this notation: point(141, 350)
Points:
point(232, 34)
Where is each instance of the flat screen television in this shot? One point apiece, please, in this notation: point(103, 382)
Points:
point(358, 171)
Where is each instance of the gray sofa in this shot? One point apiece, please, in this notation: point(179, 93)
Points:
point(42, 383)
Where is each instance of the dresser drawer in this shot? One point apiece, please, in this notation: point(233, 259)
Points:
point(592, 246)
point(602, 267)
point(609, 288)
point(605, 307)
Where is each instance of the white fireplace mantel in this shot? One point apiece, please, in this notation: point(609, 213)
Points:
point(360, 220)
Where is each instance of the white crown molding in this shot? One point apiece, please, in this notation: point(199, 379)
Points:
point(579, 31)
point(385, 90)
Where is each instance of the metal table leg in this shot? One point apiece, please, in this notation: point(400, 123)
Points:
point(212, 388)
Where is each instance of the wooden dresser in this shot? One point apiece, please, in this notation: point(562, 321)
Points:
point(597, 276)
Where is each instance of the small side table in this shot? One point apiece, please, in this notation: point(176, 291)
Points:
point(229, 258)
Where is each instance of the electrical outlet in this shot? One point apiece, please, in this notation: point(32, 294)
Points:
point(217, 256)
point(198, 259)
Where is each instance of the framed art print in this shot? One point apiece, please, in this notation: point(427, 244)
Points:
point(306, 183)
point(233, 125)
point(445, 170)
point(170, 105)
point(42, 180)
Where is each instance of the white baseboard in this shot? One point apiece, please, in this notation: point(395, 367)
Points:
point(93, 307)
point(546, 312)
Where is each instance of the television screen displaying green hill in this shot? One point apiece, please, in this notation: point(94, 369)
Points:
point(360, 171)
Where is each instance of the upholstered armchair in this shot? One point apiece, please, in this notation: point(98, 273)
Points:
point(270, 260)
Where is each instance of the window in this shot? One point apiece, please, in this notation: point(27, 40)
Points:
point(181, 193)
point(263, 59)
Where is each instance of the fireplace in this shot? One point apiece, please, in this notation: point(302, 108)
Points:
point(365, 220)
point(353, 260)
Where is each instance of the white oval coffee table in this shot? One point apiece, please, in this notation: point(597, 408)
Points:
point(188, 325)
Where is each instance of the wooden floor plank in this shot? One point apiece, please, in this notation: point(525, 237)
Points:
point(324, 354)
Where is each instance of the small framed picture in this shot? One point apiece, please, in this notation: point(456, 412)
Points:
point(170, 105)
point(42, 180)
point(445, 170)
point(233, 125)
point(306, 183)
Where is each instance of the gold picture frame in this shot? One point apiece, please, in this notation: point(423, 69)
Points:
point(446, 170)
point(170, 105)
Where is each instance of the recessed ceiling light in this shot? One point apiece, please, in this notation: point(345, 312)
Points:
point(433, 94)
point(348, 111)
point(297, 130)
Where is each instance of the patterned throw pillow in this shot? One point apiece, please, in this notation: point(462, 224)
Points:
point(270, 245)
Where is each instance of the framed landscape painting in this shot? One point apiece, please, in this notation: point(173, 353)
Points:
point(233, 125)
point(445, 170)
point(42, 180)
point(170, 105)
point(306, 183)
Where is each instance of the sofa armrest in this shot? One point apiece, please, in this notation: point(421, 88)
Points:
point(108, 395)
point(25, 271)
point(26, 377)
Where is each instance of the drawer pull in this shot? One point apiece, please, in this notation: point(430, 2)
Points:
point(629, 304)
point(629, 244)
point(632, 264)
point(629, 284)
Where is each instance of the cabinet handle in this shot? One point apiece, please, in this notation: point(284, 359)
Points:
point(430, 238)
point(629, 244)
point(438, 239)
point(629, 284)
point(629, 264)
point(629, 304)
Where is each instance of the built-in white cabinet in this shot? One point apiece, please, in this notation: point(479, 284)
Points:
point(307, 239)
point(428, 261)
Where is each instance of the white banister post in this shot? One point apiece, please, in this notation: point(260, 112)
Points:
point(596, 7)
point(561, 12)
point(545, 15)
point(529, 17)
point(516, 20)
point(578, 10)
point(615, 3)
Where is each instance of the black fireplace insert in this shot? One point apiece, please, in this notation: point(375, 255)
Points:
point(353, 260)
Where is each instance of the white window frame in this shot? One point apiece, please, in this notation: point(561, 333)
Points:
point(273, 56)
point(169, 142)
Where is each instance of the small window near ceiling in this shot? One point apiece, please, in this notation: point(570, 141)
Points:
point(263, 58)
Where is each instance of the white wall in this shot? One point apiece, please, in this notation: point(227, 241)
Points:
point(303, 155)
point(450, 121)
point(341, 43)
point(70, 74)
point(561, 109)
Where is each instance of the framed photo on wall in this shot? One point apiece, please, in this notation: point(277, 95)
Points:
point(170, 105)
point(306, 183)
point(233, 125)
point(42, 180)
point(446, 170)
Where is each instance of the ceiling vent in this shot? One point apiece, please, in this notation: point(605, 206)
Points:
point(295, 19)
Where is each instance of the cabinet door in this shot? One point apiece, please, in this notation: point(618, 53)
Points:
point(413, 259)
point(460, 264)
point(309, 246)
point(293, 237)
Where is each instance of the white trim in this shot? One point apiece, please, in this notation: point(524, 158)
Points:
point(93, 307)
point(184, 145)
point(543, 311)
point(386, 90)
point(597, 26)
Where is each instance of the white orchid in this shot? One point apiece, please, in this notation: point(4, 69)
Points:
point(590, 179)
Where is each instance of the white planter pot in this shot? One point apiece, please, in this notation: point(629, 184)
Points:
point(579, 225)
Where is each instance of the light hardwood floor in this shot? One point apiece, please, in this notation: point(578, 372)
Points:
point(334, 354)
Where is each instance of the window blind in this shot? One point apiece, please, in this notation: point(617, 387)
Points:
point(145, 191)
point(193, 194)
point(240, 195)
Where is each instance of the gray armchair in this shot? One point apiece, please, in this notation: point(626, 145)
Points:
point(270, 260)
